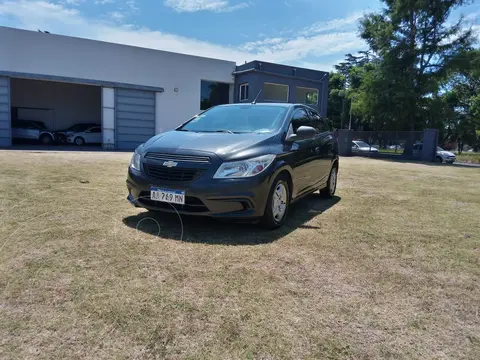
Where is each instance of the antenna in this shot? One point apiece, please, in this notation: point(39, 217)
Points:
point(256, 97)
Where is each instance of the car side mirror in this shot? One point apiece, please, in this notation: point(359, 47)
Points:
point(303, 132)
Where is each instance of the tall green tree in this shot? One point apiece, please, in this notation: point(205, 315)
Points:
point(336, 99)
point(462, 101)
point(416, 46)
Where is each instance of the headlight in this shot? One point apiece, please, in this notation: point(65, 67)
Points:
point(135, 163)
point(244, 168)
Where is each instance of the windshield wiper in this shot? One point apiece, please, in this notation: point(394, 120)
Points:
point(225, 131)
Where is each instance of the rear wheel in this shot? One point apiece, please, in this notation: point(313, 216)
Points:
point(329, 190)
point(45, 139)
point(277, 204)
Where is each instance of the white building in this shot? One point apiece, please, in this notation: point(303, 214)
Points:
point(132, 92)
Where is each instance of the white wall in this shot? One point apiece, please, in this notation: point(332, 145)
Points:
point(70, 103)
point(108, 118)
point(33, 52)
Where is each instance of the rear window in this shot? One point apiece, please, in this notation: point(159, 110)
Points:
point(238, 119)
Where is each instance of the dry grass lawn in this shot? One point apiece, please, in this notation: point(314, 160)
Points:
point(387, 270)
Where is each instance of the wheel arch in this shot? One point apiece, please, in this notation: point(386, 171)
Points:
point(288, 173)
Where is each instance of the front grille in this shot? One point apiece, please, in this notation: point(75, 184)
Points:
point(160, 172)
point(192, 204)
point(175, 157)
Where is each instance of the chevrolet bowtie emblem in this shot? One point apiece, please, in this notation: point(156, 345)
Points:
point(170, 164)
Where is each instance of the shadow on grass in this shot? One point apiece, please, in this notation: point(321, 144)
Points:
point(199, 229)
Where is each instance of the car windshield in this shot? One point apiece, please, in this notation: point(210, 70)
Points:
point(362, 144)
point(439, 148)
point(238, 119)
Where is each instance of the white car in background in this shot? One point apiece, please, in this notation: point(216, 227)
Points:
point(91, 135)
point(445, 156)
point(359, 146)
point(442, 156)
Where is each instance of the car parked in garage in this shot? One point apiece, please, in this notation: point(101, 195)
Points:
point(237, 161)
point(61, 135)
point(92, 135)
point(30, 130)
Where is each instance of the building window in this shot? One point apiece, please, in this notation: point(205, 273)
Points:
point(275, 92)
point(213, 93)
point(244, 92)
point(307, 96)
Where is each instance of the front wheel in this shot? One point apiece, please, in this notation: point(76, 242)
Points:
point(277, 204)
point(439, 159)
point(329, 191)
point(79, 141)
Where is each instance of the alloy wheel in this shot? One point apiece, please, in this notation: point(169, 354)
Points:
point(279, 202)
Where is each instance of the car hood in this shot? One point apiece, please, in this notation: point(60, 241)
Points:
point(446, 153)
point(222, 144)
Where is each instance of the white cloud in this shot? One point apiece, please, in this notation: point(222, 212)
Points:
point(472, 17)
point(116, 15)
point(132, 4)
point(350, 22)
point(103, 2)
point(204, 5)
point(73, 2)
point(296, 49)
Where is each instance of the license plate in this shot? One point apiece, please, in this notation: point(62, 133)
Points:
point(167, 195)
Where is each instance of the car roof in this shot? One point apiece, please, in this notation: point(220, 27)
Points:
point(287, 105)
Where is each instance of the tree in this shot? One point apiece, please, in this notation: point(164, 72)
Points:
point(416, 47)
point(462, 101)
point(336, 99)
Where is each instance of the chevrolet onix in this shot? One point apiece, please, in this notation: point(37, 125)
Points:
point(238, 161)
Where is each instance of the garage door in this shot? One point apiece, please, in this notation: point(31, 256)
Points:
point(5, 131)
point(135, 117)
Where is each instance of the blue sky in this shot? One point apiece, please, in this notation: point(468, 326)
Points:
point(309, 33)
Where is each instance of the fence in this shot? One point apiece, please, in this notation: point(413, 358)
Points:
point(392, 143)
point(405, 144)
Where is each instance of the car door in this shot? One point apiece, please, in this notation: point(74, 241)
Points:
point(304, 154)
point(93, 135)
point(324, 148)
point(355, 148)
point(32, 131)
point(96, 135)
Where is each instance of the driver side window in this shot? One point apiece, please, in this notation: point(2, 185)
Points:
point(299, 118)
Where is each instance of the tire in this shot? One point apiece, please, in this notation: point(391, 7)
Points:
point(329, 191)
point(439, 159)
point(46, 139)
point(79, 141)
point(275, 215)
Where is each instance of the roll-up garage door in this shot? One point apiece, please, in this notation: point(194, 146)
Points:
point(5, 122)
point(135, 117)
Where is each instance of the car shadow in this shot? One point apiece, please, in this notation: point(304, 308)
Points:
point(199, 229)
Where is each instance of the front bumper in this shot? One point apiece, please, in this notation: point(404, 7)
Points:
point(223, 198)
